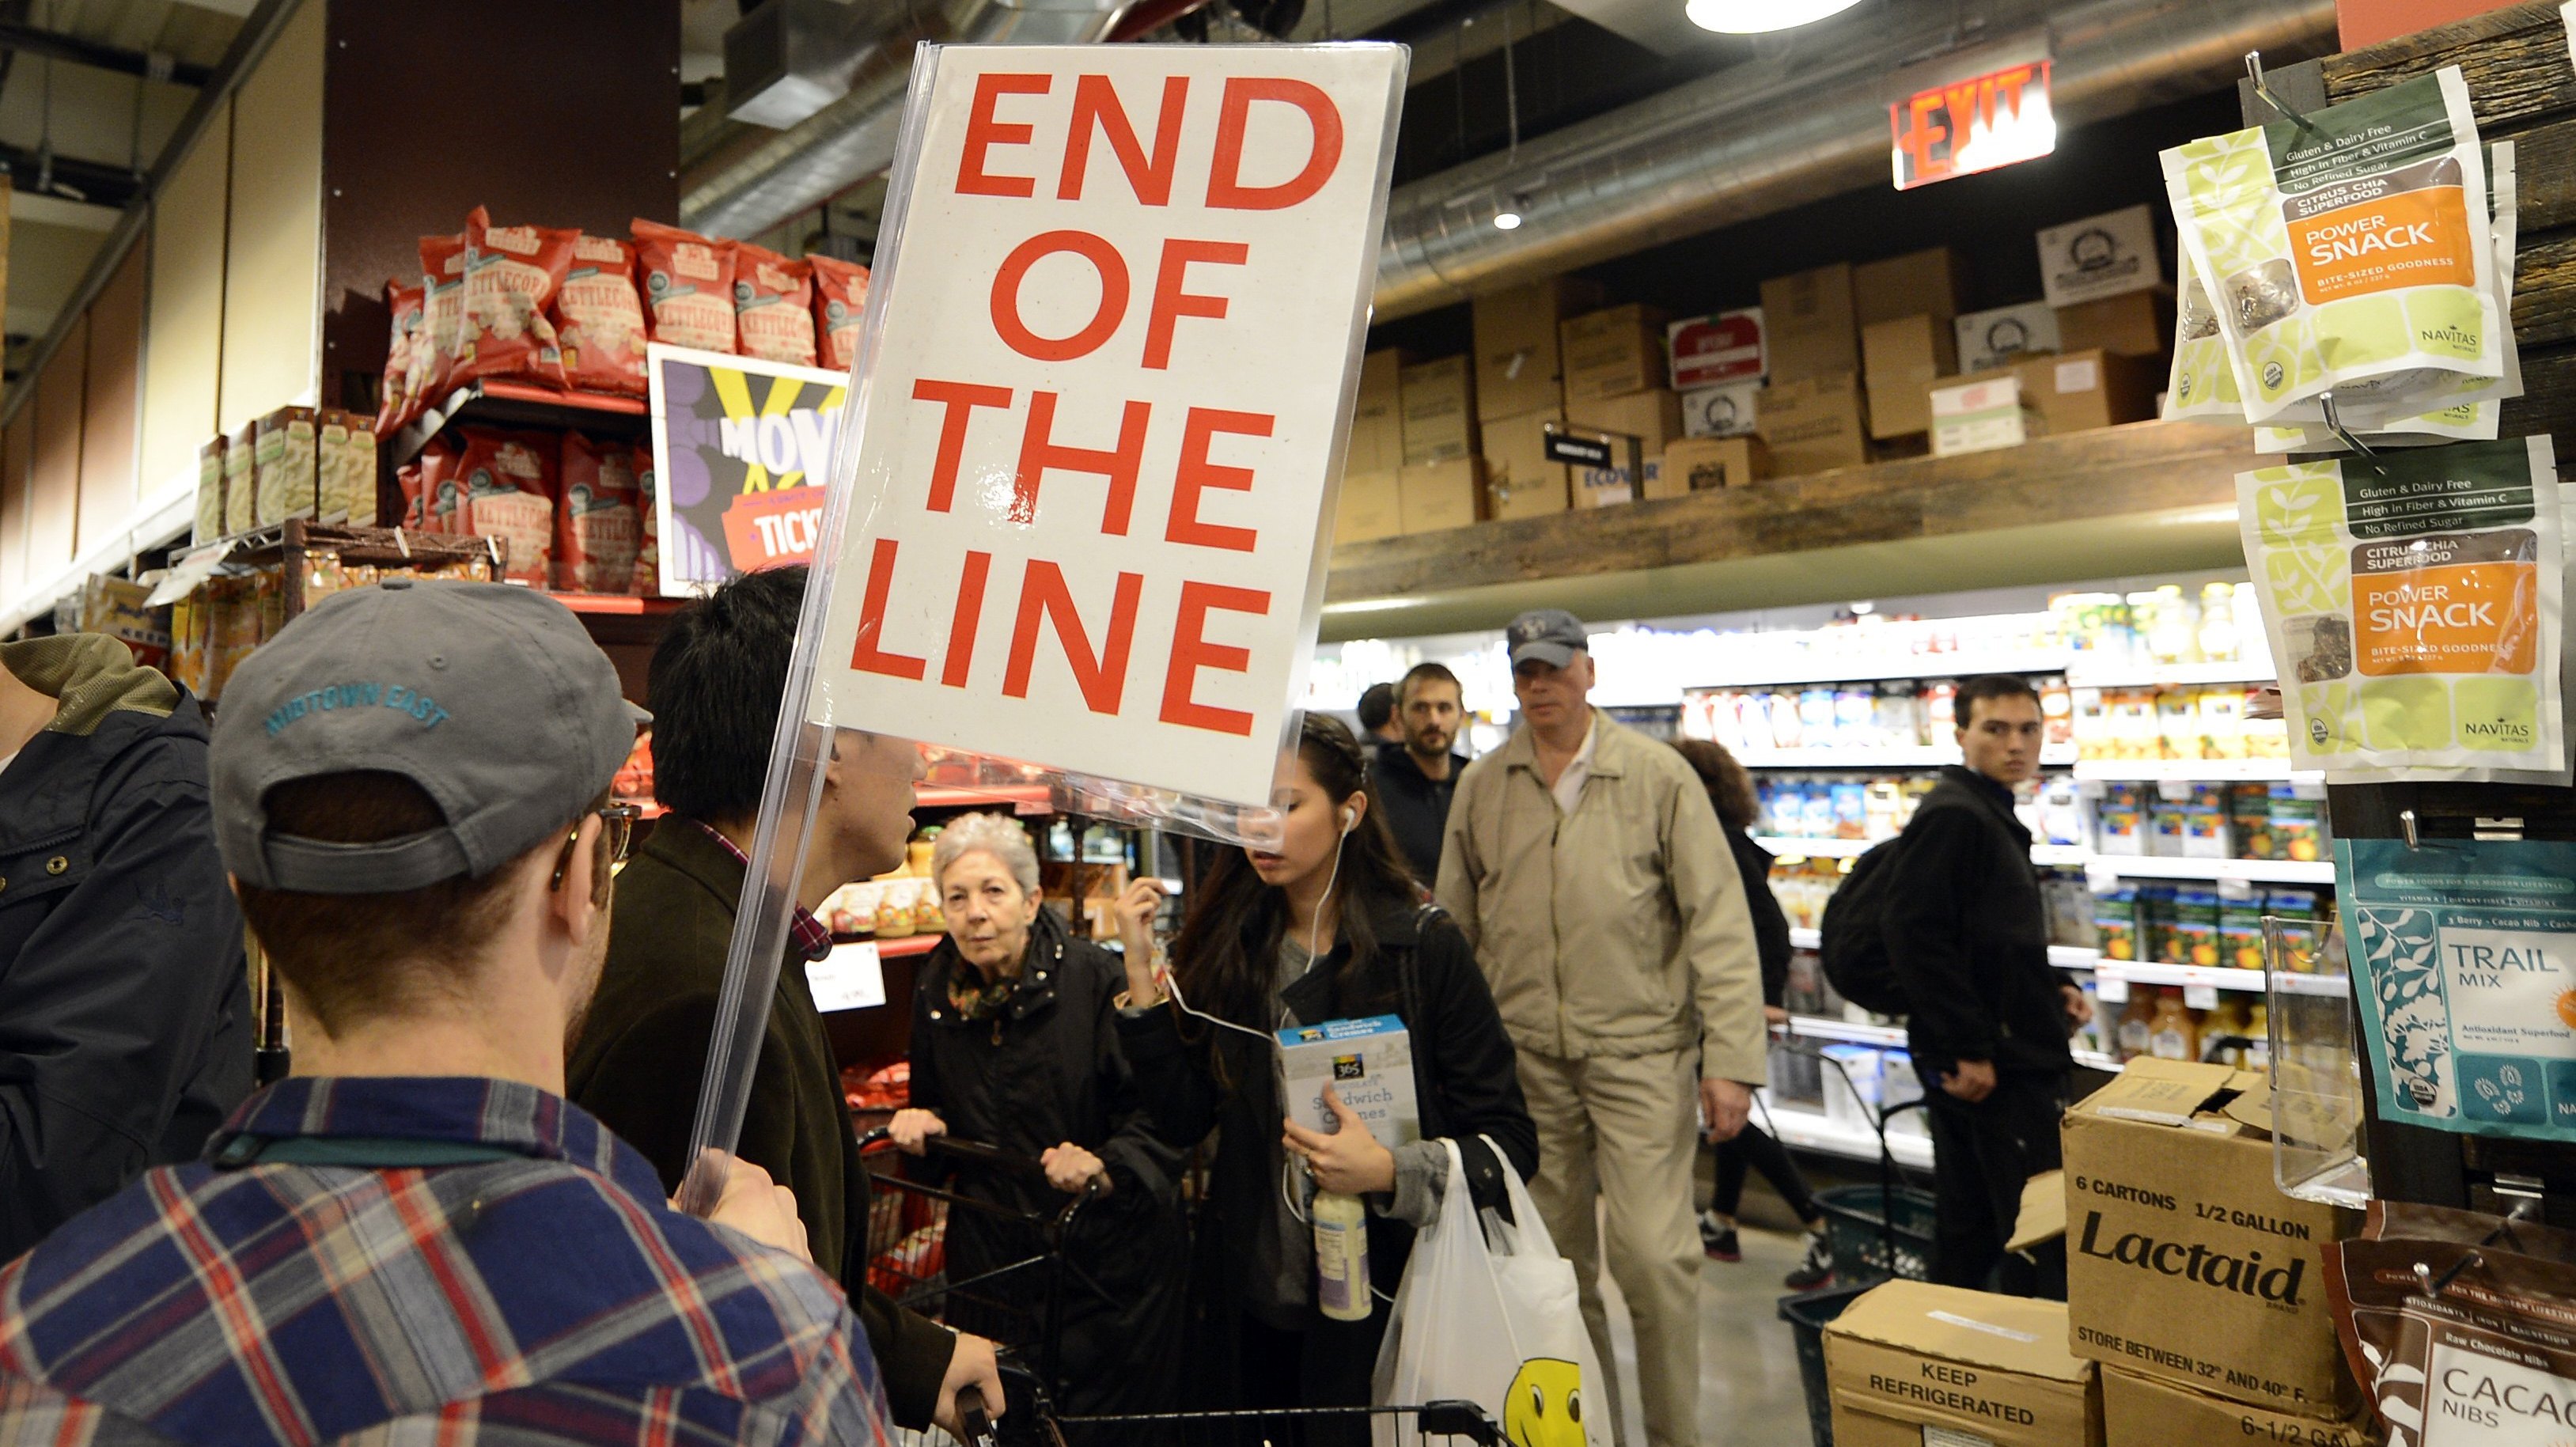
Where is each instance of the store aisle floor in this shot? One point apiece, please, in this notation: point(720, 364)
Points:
point(1750, 1394)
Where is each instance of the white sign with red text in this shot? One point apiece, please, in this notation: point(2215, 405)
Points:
point(1104, 402)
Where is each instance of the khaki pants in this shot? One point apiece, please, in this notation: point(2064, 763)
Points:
point(1623, 1132)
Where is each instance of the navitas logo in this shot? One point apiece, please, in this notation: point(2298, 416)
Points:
point(2241, 1275)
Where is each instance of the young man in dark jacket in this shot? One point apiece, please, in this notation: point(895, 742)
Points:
point(125, 1032)
point(714, 690)
point(1417, 778)
point(1968, 938)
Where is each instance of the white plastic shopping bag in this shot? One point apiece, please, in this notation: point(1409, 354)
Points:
point(1488, 1313)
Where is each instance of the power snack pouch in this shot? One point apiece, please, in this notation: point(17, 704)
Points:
point(396, 404)
point(2413, 600)
point(2347, 254)
point(442, 308)
point(511, 273)
point(598, 320)
point(648, 550)
point(773, 305)
point(2203, 381)
point(596, 526)
point(2456, 1344)
point(840, 302)
point(508, 485)
point(688, 286)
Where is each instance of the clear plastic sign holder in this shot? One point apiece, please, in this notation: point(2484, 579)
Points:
point(2317, 1086)
point(809, 749)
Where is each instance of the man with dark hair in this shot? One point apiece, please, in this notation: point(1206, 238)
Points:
point(1968, 938)
point(124, 1001)
point(1377, 714)
point(714, 687)
point(416, 1237)
point(1417, 778)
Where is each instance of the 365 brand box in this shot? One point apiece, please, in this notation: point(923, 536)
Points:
point(2183, 1262)
point(1915, 1365)
point(1998, 338)
point(2100, 256)
point(2139, 1412)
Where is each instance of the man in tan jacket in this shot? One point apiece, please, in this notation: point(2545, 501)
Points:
point(1589, 871)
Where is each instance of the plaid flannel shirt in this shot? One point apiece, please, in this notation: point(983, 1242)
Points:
point(547, 1296)
point(809, 935)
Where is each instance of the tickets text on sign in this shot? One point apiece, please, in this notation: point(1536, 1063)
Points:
point(1100, 421)
point(1978, 124)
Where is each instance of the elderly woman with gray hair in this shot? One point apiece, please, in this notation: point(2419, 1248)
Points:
point(1015, 1045)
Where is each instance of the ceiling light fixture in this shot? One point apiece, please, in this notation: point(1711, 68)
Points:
point(1754, 17)
point(1507, 221)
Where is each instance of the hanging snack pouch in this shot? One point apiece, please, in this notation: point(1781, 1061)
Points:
point(508, 481)
point(840, 302)
point(2203, 380)
point(442, 308)
point(598, 320)
point(397, 403)
point(596, 528)
point(773, 301)
point(2413, 600)
point(688, 286)
point(2346, 253)
point(511, 275)
point(2457, 1343)
point(648, 549)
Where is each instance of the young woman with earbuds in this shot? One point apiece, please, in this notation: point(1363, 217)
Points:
point(1329, 926)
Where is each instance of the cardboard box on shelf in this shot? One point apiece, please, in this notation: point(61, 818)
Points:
point(1377, 419)
point(2100, 256)
point(1518, 353)
point(1653, 417)
point(1991, 339)
point(1918, 282)
point(1981, 415)
point(1439, 411)
point(1699, 464)
point(2184, 1262)
point(1613, 353)
point(1814, 424)
point(1728, 411)
point(1912, 1365)
point(1440, 495)
point(1808, 325)
point(1714, 350)
point(1369, 508)
point(1902, 357)
point(2079, 391)
point(1520, 481)
point(2138, 1412)
point(2132, 324)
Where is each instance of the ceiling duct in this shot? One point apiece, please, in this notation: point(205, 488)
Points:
point(845, 91)
point(1759, 138)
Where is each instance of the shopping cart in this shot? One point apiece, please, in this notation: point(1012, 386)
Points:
point(1875, 1231)
point(1031, 1421)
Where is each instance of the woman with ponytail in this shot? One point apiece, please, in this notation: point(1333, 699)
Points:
point(1327, 925)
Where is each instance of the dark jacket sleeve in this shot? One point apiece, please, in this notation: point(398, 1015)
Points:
point(1925, 927)
point(1171, 1077)
point(1138, 1157)
point(923, 1091)
point(912, 1353)
point(1473, 1065)
point(1770, 923)
point(110, 1006)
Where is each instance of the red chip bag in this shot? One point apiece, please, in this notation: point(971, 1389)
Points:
point(648, 548)
point(442, 280)
point(596, 528)
point(840, 302)
point(508, 480)
point(511, 273)
point(773, 305)
point(688, 286)
point(598, 320)
point(396, 404)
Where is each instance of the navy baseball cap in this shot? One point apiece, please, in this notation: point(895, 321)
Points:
point(493, 699)
point(1550, 635)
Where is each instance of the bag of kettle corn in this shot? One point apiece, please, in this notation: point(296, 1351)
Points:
point(2412, 599)
point(2346, 255)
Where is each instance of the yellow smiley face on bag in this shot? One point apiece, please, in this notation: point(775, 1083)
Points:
point(1545, 1407)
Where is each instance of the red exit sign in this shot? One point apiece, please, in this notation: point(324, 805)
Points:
point(1991, 120)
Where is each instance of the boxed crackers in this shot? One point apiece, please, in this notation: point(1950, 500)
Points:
point(2184, 1263)
point(1916, 1365)
point(241, 503)
point(210, 491)
point(284, 466)
point(345, 466)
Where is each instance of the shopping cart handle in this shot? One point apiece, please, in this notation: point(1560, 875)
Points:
point(973, 1422)
point(967, 1150)
point(1458, 1419)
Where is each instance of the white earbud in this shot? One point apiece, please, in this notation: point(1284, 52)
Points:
point(1350, 817)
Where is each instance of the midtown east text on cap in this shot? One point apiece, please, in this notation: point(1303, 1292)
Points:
point(493, 699)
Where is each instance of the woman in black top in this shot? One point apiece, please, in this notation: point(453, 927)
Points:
point(1730, 789)
point(1327, 926)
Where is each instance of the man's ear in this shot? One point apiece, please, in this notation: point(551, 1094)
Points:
point(574, 901)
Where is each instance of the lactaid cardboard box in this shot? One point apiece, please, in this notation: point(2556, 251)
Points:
point(1916, 1365)
point(1917, 282)
point(1991, 339)
point(1377, 421)
point(1520, 480)
point(1440, 495)
point(1439, 411)
point(1700, 464)
point(1712, 351)
point(1903, 356)
point(1369, 507)
point(1518, 356)
point(2100, 256)
point(2184, 1262)
point(1808, 325)
point(1613, 353)
point(2139, 1412)
point(1814, 423)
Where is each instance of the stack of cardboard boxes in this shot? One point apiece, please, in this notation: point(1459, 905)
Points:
point(2086, 357)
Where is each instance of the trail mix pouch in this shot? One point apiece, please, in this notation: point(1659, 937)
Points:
point(2490, 1358)
point(2412, 599)
point(2351, 257)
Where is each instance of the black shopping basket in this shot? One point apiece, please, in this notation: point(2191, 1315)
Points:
point(1880, 1231)
point(1807, 1313)
point(1032, 1421)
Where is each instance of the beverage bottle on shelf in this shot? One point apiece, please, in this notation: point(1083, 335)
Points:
point(2219, 637)
point(2171, 1035)
point(2173, 636)
point(2136, 1024)
point(2258, 1028)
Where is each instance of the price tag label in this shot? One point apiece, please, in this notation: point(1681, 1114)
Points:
point(2200, 997)
point(2110, 988)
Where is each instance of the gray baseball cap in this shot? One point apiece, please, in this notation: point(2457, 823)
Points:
point(1550, 635)
point(493, 699)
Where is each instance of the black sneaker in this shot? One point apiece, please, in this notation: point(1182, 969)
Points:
point(1719, 1242)
point(1817, 1269)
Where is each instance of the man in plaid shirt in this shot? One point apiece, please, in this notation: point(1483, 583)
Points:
point(417, 1237)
